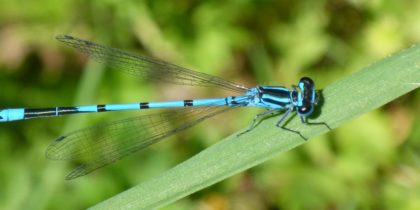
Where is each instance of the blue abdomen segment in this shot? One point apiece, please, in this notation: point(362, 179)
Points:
point(7, 115)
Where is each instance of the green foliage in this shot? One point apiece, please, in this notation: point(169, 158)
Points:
point(370, 162)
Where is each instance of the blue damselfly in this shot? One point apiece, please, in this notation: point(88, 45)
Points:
point(100, 145)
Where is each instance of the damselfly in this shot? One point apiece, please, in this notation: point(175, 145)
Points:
point(100, 145)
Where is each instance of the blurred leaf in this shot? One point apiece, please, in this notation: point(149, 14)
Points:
point(356, 94)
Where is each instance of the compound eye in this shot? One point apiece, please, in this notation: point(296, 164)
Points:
point(308, 82)
point(305, 110)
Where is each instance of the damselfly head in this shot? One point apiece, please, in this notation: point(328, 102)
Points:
point(309, 96)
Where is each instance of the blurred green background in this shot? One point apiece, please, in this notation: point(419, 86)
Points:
point(372, 162)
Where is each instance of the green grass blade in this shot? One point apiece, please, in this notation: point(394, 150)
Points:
point(356, 94)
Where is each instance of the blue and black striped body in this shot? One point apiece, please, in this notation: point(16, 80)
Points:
point(100, 145)
point(270, 97)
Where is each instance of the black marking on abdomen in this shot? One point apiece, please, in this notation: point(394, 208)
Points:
point(144, 105)
point(67, 110)
point(188, 102)
point(43, 112)
point(233, 102)
point(101, 108)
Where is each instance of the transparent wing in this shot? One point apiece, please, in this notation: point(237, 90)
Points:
point(147, 68)
point(98, 146)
